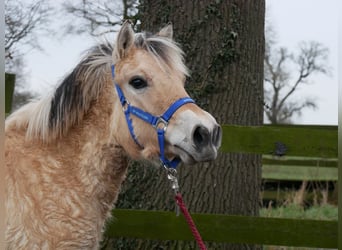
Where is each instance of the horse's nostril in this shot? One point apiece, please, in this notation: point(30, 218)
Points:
point(217, 136)
point(201, 136)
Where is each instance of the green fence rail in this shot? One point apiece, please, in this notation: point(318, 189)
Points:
point(293, 168)
point(224, 228)
point(299, 173)
point(299, 140)
point(9, 89)
point(311, 150)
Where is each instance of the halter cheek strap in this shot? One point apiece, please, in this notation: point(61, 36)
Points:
point(160, 123)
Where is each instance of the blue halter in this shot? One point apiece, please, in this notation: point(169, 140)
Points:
point(160, 123)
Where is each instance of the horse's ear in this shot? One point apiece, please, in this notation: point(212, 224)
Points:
point(124, 40)
point(167, 31)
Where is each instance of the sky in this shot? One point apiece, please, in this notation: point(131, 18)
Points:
point(293, 20)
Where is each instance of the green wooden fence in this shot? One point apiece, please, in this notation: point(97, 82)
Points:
point(300, 140)
point(319, 143)
point(316, 142)
point(299, 168)
point(9, 89)
point(224, 228)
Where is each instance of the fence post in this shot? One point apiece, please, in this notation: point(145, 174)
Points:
point(9, 90)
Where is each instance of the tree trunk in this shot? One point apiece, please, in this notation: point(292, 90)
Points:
point(224, 46)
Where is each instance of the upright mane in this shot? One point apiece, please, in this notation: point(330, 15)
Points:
point(52, 116)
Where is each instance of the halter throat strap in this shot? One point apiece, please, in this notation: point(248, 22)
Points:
point(160, 123)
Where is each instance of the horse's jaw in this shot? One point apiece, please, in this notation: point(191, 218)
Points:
point(190, 158)
point(184, 156)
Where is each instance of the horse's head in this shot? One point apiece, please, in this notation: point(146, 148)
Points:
point(150, 75)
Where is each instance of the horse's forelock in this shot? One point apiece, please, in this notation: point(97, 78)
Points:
point(165, 50)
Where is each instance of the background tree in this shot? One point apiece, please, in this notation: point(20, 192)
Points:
point(285, 72)
point(99, 17)
point(24, 22)
point(224, 46)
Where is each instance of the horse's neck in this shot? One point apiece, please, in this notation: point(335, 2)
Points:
point(102, 161)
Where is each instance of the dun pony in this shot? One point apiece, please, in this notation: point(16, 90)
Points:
point(66, 154)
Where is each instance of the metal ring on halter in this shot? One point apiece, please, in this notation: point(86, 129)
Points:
point(125, 105)
point(169, 170)
point(161, 124)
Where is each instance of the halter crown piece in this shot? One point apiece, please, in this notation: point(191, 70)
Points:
point(160, 123)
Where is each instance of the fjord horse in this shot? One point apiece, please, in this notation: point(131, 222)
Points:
point(66, 154)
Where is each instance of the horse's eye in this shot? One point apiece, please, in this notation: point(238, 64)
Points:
point(138, 83)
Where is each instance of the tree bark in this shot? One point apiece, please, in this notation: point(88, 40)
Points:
point(224, 46)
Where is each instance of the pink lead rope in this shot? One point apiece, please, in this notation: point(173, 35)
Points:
point(189, 220)
point(171, 175)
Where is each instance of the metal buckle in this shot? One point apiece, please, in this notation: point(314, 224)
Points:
point(172, 177)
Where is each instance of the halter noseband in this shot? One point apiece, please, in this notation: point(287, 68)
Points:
point(160, 123)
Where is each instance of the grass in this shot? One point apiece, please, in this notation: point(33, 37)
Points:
point(325, 212)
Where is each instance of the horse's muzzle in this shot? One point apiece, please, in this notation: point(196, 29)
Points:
point(195, 137)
